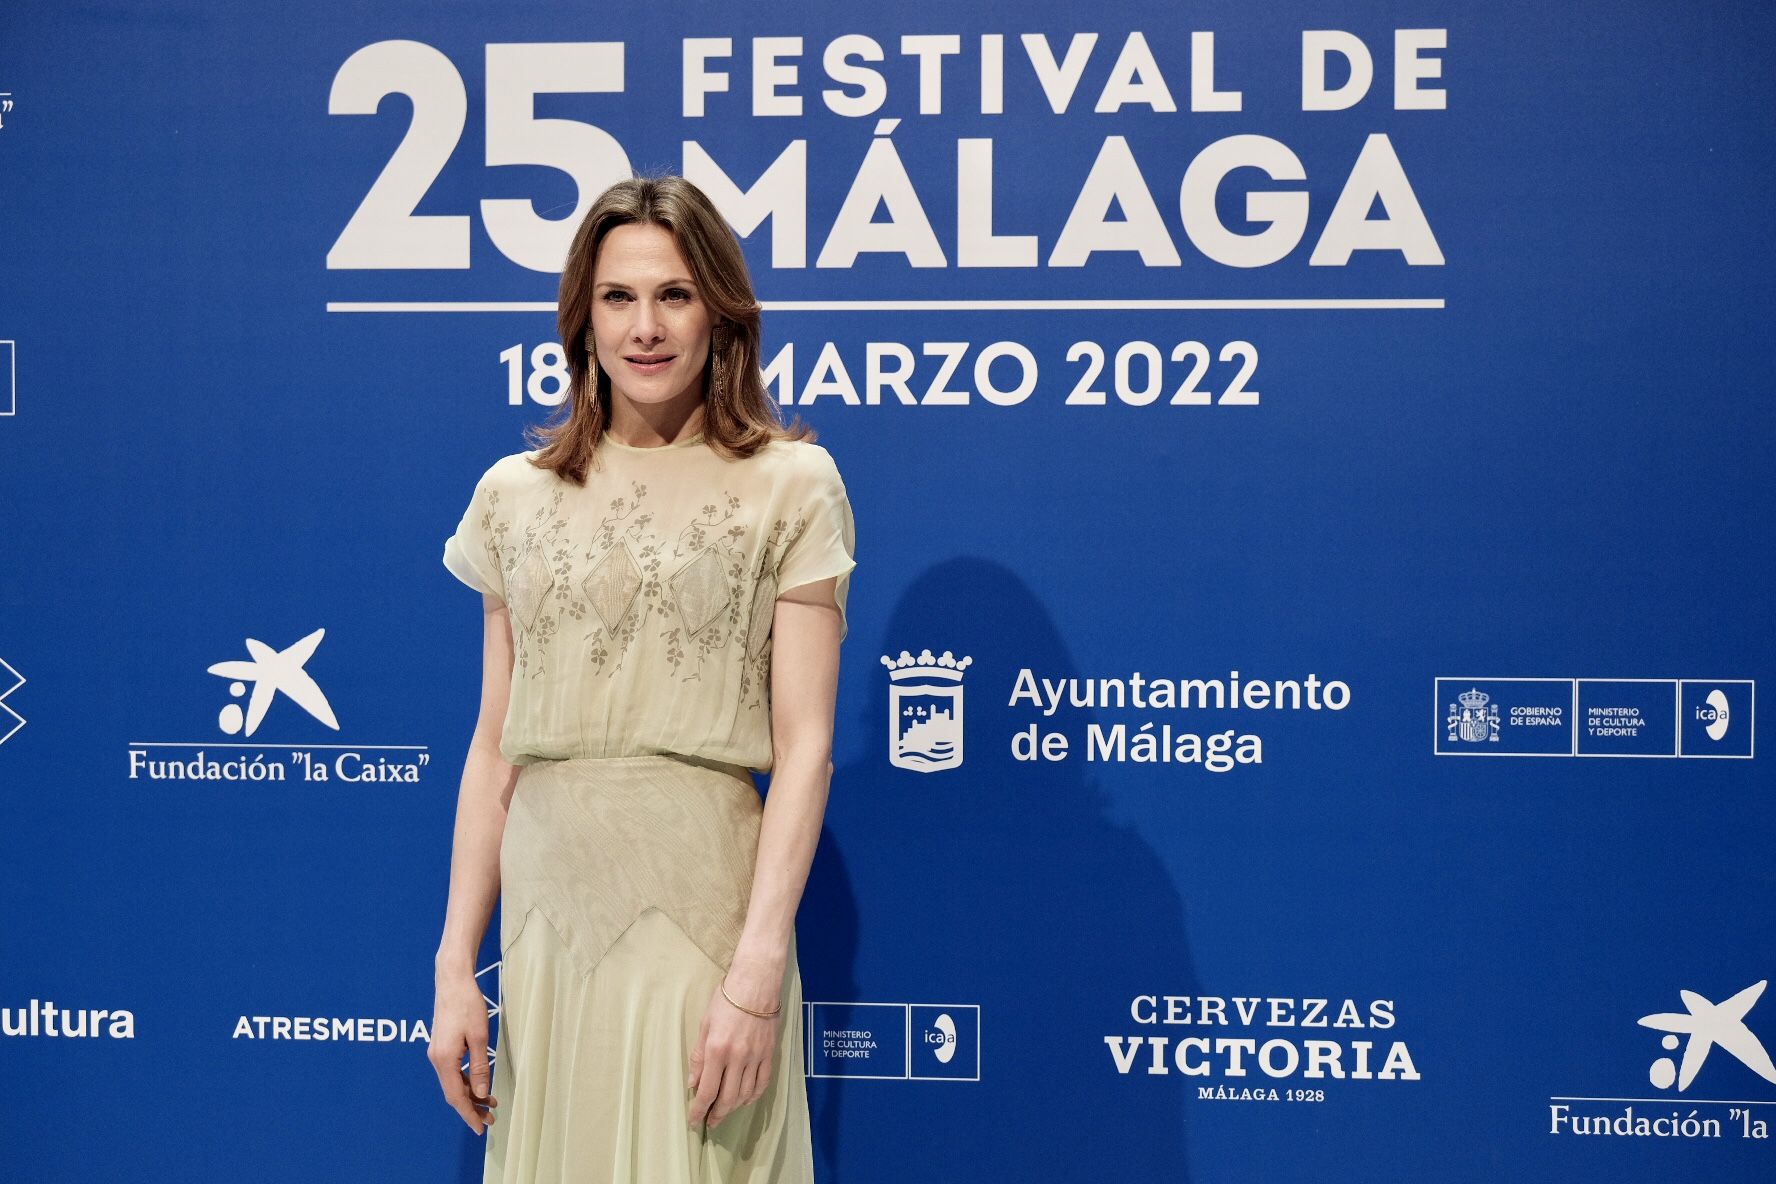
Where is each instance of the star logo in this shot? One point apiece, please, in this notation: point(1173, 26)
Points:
point(1707, 1025)
point(271, 671)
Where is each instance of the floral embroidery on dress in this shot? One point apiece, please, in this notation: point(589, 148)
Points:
point(705, 586)
point(622, 576)
point(534, 565)
point(756, 662)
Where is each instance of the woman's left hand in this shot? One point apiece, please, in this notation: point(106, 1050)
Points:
point(731, 1064)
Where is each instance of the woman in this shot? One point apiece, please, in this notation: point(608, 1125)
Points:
point(664, 582)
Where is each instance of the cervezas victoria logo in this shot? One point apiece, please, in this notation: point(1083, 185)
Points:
point(1690, 1041)
point(1264, 1048)
point(274, 687)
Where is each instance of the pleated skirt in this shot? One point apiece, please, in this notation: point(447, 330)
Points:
point(624, 888)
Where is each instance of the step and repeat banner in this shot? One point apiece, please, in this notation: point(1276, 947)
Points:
point(1300, 717)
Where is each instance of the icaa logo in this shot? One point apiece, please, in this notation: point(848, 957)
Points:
point(940, 1037)
point(1717, 713)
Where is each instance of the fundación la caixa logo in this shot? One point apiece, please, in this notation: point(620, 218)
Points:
point(1707, 1026)
point(925, 710)
point(276, 684)
point(270, 673)
point(1692, 1039)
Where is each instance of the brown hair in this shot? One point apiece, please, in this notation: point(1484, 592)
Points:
point(739, 418)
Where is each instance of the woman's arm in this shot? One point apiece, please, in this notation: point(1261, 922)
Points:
point(459, 1015)
point(481, 803)
point(732, 1061)
point(804, 686)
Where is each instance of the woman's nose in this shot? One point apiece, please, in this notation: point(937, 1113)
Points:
point(647, 322)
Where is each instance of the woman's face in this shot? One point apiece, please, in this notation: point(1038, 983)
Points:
point(648, 317)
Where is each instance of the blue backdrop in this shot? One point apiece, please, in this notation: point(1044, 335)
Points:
point(1348, 489)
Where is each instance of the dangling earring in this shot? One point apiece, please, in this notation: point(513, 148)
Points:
point(718, 344)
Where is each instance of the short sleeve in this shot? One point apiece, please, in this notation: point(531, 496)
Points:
point(827, 539)
point(470, 554)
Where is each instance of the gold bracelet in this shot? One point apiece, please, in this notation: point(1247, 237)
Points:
point(763, 1015)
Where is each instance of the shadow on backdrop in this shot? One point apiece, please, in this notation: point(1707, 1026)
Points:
point(999, 882)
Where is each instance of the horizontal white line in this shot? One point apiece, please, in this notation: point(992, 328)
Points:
point(906, 305)
point(1084, 305)
point(1579, 678)
point(441, 306)
point(1674, 1101)
point(263, 744)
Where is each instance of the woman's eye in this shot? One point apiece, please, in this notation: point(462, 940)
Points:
point(680, 292)
point(614, 296)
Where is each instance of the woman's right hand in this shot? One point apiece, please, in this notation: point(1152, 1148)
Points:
point(459, 1026)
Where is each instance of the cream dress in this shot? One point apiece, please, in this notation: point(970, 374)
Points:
point(641, 608)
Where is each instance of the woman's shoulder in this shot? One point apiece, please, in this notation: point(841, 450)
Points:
point(801, 458)
point(514, 470)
